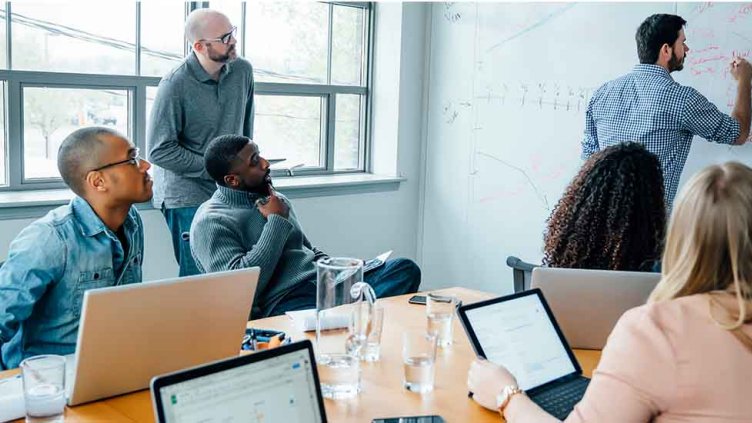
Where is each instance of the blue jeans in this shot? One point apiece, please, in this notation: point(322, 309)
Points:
point(396, 277)
point(179, 222)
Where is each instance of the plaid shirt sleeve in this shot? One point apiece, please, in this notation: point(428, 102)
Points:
point(590, 142)
point(701, 117)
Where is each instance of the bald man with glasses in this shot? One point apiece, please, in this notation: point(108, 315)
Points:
point(209, 94)
point(95, 241)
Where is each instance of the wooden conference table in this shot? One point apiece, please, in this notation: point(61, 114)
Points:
point(382, 394)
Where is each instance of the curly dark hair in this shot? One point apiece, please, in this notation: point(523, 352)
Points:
point(612, 216)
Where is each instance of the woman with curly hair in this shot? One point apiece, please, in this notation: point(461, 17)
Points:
point(612, 216)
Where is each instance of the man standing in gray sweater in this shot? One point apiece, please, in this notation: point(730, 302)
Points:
point(209, 94)
point(247, 223)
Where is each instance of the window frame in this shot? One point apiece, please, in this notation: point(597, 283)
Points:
point(14, 81)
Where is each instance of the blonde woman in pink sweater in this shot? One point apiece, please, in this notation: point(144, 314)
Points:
point(685, 356)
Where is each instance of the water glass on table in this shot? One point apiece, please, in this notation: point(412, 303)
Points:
point(418, 358)
point(372, 350)
point(440, 310)
point(44, 388)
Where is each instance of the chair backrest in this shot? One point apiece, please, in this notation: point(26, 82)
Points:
point(522, 273)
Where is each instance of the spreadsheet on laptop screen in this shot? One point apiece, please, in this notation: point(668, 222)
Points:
point(519, 335)
point(278, 389)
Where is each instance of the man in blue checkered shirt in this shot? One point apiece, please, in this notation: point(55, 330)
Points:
point(647, 106)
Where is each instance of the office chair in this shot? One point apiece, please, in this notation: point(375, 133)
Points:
point(522, 273)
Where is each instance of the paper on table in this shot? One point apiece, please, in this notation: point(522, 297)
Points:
point(11, 399)
point(305, 320)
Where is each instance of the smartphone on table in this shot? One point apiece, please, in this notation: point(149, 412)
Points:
point(417, 299)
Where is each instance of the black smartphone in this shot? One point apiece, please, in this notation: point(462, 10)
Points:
point(413, 419)
point(417, 299)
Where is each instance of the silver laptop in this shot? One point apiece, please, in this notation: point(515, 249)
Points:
point(276, 385)
point(588, 303)
point(130, 333)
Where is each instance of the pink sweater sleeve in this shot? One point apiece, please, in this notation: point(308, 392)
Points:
point(636, 376)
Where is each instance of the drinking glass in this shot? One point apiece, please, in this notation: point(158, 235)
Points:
point(44, 388)
point(418, 358)
point(440, 311)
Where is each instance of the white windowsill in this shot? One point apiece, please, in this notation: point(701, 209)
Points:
point(27, 204)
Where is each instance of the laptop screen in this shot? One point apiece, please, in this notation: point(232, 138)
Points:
point(519, 334)
point(277, 389)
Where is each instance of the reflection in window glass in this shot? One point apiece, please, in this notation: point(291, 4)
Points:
point(74, 37)
point(286, 41)
point(347, 132)
point(3, 35)
point(347, 45)
point(51, 114)
point(3, 147)
point(162, 39)
point(289, 127)
point(234, 11)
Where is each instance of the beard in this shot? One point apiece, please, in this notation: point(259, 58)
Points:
point(674, 64)
point(263, 188)
point(227, 56)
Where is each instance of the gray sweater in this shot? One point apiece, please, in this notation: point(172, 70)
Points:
point(228, 232)
point(189, 110)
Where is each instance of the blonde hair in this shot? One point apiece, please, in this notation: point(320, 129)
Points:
point(709, 243)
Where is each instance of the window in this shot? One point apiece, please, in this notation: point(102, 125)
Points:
point(68, 65)
point(50, 114)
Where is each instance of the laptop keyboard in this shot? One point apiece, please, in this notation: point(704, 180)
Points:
point(560, 400)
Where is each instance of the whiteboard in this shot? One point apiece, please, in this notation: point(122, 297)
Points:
point(509, 85)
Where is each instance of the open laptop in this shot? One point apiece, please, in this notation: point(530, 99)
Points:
point(130, 333)
point(276, 385)
point(588, 303)
point(519, 332)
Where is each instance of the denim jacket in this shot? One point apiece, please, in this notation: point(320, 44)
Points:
point(50, 264)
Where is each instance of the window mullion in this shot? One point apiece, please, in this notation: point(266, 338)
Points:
point(138, 111)
point(15, 134)
point(138, 38)
point(243, 20)
point(329, 131)
point(8, 36)
point(330, 45)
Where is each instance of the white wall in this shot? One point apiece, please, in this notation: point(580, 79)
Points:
point(360, 225)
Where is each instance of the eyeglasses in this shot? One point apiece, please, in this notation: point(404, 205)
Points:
point(134, 160)
point(224, 38)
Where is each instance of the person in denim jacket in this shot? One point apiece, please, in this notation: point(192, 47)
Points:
point(95, 241)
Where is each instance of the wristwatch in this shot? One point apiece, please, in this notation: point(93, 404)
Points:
point(502, 400)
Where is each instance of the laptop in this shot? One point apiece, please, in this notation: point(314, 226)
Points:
point(276, 385)
point(130, 333)
point(519, 332)
point(588, 303)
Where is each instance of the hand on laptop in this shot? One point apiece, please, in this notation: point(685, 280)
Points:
point(486, 380)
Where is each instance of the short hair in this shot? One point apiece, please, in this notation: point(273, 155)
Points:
point(79, 153)
point(220, 154)
point(654, 32)
point(196, 22)
point(613, 214)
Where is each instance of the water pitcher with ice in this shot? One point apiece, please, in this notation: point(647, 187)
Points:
point(344, 305)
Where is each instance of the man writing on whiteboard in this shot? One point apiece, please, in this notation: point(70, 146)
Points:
point(647, 106)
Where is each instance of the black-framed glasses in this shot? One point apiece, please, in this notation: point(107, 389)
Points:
point(224, 38)
point(133, 160)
